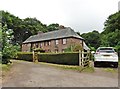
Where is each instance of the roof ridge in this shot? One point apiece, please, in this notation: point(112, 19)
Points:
point(67, 32)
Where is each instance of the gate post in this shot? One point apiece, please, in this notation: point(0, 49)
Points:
point(80, 58)
point(89, 58)
point(35, 56)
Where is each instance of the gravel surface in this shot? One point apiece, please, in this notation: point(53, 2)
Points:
point(28, 74)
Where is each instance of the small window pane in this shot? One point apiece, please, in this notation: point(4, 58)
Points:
point(64, 41)
point(49, 42)
point(56, 42)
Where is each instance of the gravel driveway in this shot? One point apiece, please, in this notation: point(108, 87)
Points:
point(28, 74)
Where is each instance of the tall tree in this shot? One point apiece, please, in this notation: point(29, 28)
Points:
point(112, 23)
point(92, 39)
point(53, 27)
point(111, 34)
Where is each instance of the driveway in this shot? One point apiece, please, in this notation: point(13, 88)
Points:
point(28, 74)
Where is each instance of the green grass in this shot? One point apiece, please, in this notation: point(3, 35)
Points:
point(88, 69)
point(111, 70)
point(5, 67)
point(70, 67)
point(119, 62)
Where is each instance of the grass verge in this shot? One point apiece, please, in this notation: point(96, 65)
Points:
point(119, 62)
point(70, 67)
point(111, 70)
point(5, 67)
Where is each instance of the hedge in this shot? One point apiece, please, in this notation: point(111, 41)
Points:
point(25, 56)
point(58, 58)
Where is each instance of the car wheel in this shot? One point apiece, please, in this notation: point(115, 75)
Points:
point(95, 64)
point(115, 65)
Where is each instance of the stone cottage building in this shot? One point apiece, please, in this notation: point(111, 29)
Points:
point(54, 41)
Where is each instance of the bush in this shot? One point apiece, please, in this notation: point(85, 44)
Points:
point(9, 51)
point(39, 50)
point(73, 48)
point(58, 58)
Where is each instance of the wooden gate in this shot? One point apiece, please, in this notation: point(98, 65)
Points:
point(84, 58)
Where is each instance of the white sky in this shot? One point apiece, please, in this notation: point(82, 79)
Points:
point(81, 15)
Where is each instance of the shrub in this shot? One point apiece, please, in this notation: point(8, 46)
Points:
point(39, 50)
point(9, 51)
point(25, 56)
point(73, 48)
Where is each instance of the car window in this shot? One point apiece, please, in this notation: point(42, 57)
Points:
point(106, 50)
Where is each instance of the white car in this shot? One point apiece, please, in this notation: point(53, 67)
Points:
point(106, 55)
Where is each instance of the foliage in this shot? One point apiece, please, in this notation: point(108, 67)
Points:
point(39, 50)
point(24, 28)
point(8, 50)
point(58, 58)
point(92, 39)
point(111, 34)
point(73, 48)
point(111, 39)
point(28, 56)
point(112, 23)
point(76, 48)
point(53, 27)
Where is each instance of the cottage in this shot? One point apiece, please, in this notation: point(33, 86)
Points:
point(54, 41)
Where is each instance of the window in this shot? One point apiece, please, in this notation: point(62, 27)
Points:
point(44, 43)
point(40, 45)
point(48, 43)
point(56, 42)
point(64, 41)
point(36, 45)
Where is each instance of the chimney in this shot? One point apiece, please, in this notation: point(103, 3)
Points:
point(61, 27)
point(119, 6)
point(40, 32)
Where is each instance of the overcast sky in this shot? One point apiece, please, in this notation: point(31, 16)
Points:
point(81, 15)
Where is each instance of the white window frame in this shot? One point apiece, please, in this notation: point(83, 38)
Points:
point(49, 42)
point(64, 41)
point(40, 44)
point(56, 42)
